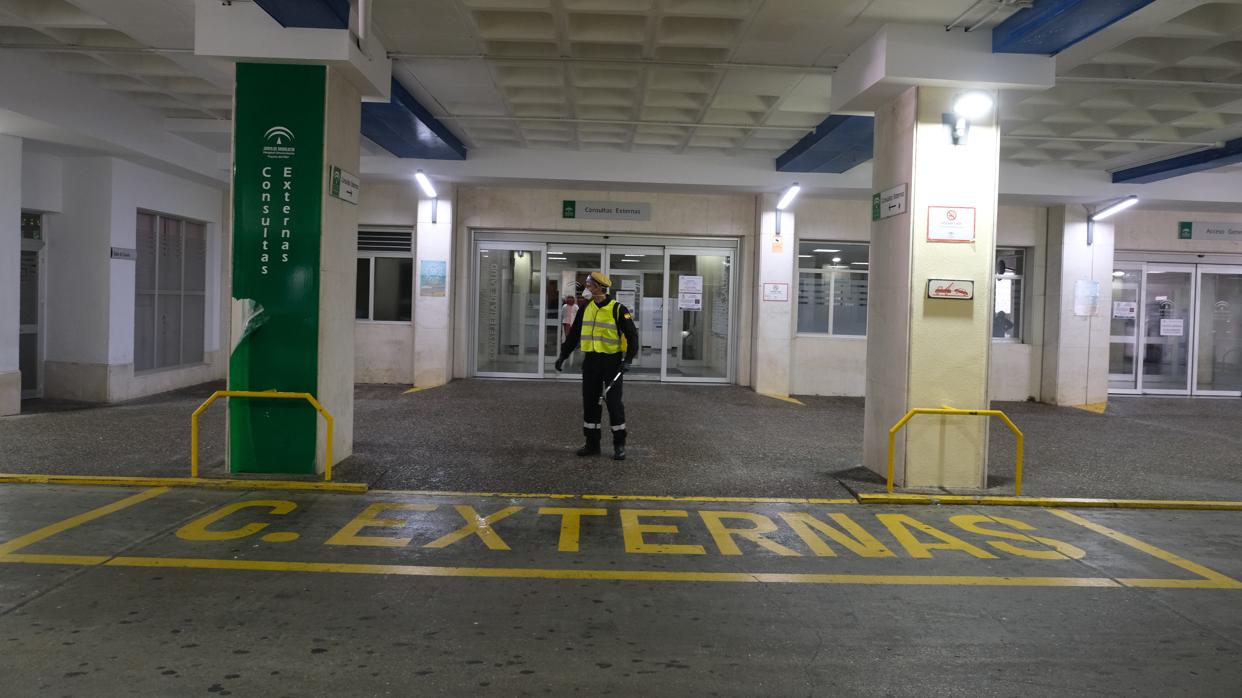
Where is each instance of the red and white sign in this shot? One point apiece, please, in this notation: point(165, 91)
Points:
point(957, 289)
point(950, 224)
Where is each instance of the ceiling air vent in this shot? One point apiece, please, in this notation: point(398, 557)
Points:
point(385, 240)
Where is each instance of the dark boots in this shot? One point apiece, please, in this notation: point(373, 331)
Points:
point(591, 447)
point(618, 445)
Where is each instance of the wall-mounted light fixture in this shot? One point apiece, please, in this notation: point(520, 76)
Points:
point(1102, 211)
point(786, 199)
point(430, 191)
point(967, 107)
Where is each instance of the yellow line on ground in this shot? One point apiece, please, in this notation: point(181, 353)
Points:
point(602, 575)
point(61, 526)
point(415, 389)
point(1049, 502)
point(617, 497)
point(785, 398)
point(1096, 407)
point(213, 483)
point(1210, 576)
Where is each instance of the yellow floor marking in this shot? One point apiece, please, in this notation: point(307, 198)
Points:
point(617, 497)
point(785, 398)
point(1096, 407)
point(415, 389)
point(211, 483)
point(1049, 502)
point(603, 575)
point(1211, 578)
point(62, 526)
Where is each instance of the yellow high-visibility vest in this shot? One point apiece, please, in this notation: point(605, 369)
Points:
point(599, 329)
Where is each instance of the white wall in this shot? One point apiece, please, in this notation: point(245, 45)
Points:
point(90, 307)
point(824, 365)
point(384, 353)
point(42, 182)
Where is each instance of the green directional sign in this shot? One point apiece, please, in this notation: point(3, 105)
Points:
point(569, 209)
point(277, 211)
point(1185, 230)
point(875, 206)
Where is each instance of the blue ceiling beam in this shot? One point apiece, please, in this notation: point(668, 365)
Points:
point(1201, 161)
point(1051, 26)
point(404, 128)
point(308, 14)
point(838, 144)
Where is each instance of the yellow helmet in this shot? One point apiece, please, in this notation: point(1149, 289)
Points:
point(602, 279)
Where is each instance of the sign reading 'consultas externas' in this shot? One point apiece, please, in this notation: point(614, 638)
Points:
point(1197, 230)
point(606, 210)
point(278, 183)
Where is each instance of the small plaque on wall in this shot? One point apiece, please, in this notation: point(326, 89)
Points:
point(956, 289)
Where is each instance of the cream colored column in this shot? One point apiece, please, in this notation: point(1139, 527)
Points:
point(1076, 330)
point(924, 352)
point(774, 316)
point(10, 271)
point(338, 269)
point(433, 249)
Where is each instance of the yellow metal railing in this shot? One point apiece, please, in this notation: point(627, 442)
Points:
point(892, 436)
point(327, 418)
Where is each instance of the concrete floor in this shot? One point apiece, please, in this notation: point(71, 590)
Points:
point(136, 602)
point(477, 435)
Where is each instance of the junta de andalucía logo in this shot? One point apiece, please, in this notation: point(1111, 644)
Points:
point(278, 143)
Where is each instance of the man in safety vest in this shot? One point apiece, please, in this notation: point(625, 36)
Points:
point(609, 343)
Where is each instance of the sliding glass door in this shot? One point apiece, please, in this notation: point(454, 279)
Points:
point(509, 335)
point(1218, 342)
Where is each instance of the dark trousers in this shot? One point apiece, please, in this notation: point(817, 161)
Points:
point(597, 371)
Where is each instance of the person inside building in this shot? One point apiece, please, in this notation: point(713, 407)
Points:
point(609, 342)
point(569, 311)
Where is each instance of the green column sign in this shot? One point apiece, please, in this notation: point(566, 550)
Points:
point(569, 209)
point(1185, 230)
point(278, 173)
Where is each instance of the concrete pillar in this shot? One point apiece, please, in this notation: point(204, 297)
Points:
point(433, 355)
point(294, 250)
point(1076, 312)
point(923, 351)
point(775, 288)
point(10, 272)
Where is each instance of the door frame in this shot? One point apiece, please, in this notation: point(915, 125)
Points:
point(1200, 271)
point(731, 362)
point(508, 246)
point(1137, 374)
point(39, 247)
point(1189, 326)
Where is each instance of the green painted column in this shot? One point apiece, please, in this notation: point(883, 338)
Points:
point(282, 136)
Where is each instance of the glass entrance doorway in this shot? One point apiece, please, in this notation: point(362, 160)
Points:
point(1176, 329)
point(681, 299)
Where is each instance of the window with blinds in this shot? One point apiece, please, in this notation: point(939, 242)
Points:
point(170, 292)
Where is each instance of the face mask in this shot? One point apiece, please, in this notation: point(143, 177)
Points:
point(586, 293)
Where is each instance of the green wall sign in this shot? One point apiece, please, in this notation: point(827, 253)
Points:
point(278, 176)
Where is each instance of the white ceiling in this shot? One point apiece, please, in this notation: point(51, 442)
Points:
point(679, 77)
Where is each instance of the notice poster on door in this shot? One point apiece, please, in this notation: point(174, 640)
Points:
point(690, 301)
point(689, 284)
point(1125, 310)
point(628, 299)
point(1086, 298)
point(1172, 327)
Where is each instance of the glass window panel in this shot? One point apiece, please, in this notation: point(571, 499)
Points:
point(28, 294)
point(813, 289)
point(195, 257)
point(833, 255)
point(170, 252)
point(1007, 316)
point(28, 360)
point(1166, 350)
point(394, 278)
point(362, 290)
point(568, 268)
point(167, 330)
point(636, 273)
point(699, 339)
point(1010, 261)
point(193, 325)
point(1123, 329)
point(509, 316)
point(849, 303)
point(1220, 332)
point(145, 243)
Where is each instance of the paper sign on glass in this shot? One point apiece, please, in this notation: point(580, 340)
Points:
point(689, 301)
point(689, 284)
point(1171, 327)
point(1125, 310)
